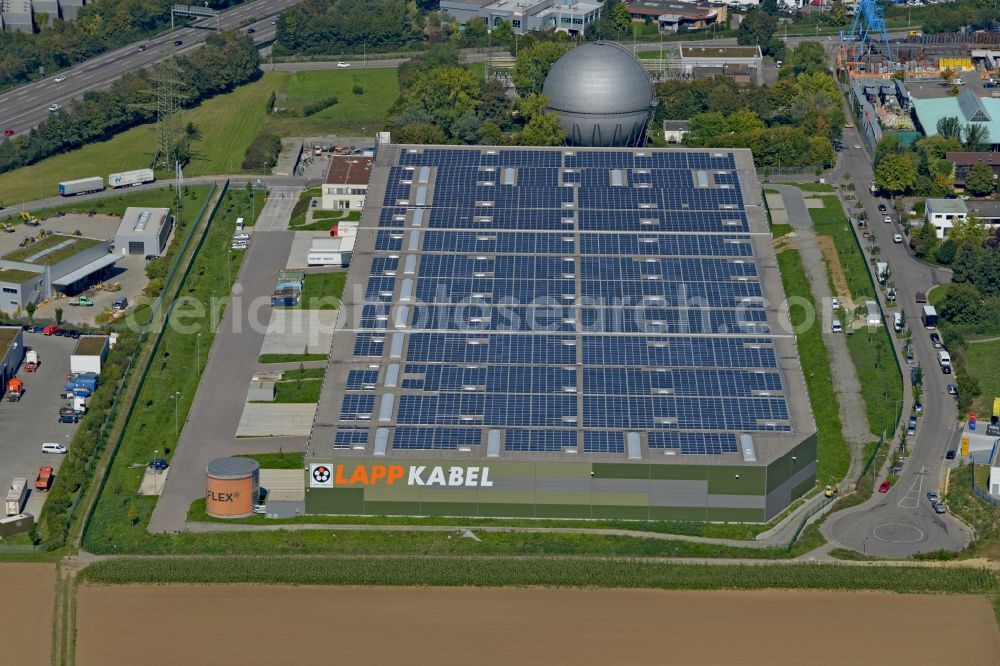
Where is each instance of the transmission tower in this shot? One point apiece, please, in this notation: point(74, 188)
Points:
point(166, 96)
point(868, 25)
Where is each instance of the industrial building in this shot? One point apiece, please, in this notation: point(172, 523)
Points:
point(144, 231)
point(50, 8)
point(967, 107)
point(332, 251)
point(602, 94)
point(346, 182)
point(16, 15)
point(70, 8)
point(671, 16)
point(964, 161)
point(562, 332)
point(12, 348)
point(943, 214)
point(527, 15)
point(56, 263)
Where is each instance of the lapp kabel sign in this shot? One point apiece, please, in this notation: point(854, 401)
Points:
point(322, 475)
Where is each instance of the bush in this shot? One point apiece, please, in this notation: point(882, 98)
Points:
point(319, 105)
point(263, 153)
point(358, 90)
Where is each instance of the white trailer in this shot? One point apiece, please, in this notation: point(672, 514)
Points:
point(68, 188)
point(130, 178)
point(16, 495)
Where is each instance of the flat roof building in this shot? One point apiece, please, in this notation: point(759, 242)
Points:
point(562, 332)
point(144, 231)
point(16, 15)
point(527, 15)
point(346, 182)
point(57, 262)
point(966, 107)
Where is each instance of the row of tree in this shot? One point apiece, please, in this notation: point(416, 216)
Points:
point(101, 25)
point(225, 61)
point(350, 26)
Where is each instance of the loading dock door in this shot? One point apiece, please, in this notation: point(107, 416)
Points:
point(136, 248)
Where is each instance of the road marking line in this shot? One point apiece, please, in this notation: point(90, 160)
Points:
point(908, 502)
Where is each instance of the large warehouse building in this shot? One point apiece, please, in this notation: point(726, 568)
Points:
point(564, 332)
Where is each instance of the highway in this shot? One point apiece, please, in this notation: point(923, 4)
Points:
point(24, 107)
point(901, 523)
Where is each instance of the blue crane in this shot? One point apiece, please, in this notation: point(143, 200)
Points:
point(868, 24)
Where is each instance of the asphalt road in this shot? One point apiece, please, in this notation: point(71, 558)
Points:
point(902, 523)
point(26, 106)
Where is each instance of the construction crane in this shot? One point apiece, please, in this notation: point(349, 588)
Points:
point(868, 26)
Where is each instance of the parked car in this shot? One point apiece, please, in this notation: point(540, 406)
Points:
point(68, 418)
point(882, 208)
point(921, 297)
point(884, 487)
point(835, 327)
point(120, 304)
point(939, 507)
point(158, 464)
point(52, 447)
point(897, 238)
point(936, 340)
point(51, 329)
point(945, 369)
point(834, 303)
point(911, 426)
point(918, 407)
point(887, 219)
point(952, 389)
point(950, 455)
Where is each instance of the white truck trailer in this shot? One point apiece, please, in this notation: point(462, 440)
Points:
point(130, 178)
point(68, 188)
point(16, 495)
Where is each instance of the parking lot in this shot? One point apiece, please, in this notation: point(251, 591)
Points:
point(26, 424)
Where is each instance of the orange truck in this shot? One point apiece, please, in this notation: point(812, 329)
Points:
point(44, 479)
point(15, 389)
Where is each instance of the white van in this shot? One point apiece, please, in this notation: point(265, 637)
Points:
point(835, 327)
point(239, 224)
point(50, 447)
point(897, 322)
point(944, 359)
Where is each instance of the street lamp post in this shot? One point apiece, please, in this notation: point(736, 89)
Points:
point(177, 396)
point(197, 342)
point(156, 454)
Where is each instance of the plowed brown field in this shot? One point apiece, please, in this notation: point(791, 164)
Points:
point(28, 593)
point(247, 625)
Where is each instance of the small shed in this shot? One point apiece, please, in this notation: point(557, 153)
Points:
point(874, 316)
point(144, 231)
point(261, 392)
point(332, 251)
point(90, 353)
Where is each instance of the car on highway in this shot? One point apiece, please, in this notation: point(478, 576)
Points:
point(936, 340)
point(54, 107)
point(59, 79)
point(882, 208)
point(884, 487)
point(952, 389)
point(343, 65)
point(950, 455)
point(142, 47)
point(274, 21)
point(250, 31)
point(8, 132)
point(897, 238)
point(178, 42)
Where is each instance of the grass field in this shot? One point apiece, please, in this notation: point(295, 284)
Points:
point(831, 221)
point(322, 291)
point(264, 359)
point(981, 360)
point(833, 454)
point(980, 515)
point(357, 114)
point(297, 390)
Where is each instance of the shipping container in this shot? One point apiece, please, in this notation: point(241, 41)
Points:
point(68, 188)
point(130, 178)
point(16, 495)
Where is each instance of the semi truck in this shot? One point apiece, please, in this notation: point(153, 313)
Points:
point(16, 495)
point(31, 360)
point(68, 188)
point(929, 316)
point(130, 178)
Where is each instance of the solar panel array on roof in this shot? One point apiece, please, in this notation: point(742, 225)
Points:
point(562, 300)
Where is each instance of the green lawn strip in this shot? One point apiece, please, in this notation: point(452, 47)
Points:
point(549, 572)
point(379, 86)
point(264, 359)
point(227, 123)
point(345, 215)
point(53, 255)
point(983, 517)
point(740, 531)
point(305, 373)
point(279, 460)
point(814, 187)
point(152, 426)
point(322, 291)
point(832, 453)
point(115, 203)
point(240, 203)
point(298, 217)
point(779, 230)
point(297, 390)
point(318, 225)
point(831, 221)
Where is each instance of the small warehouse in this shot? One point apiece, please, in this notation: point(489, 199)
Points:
point(332, 251)
point(874, 317)
point(90, 353)
point(12, 348)
point(144, 231)
point(51, 263)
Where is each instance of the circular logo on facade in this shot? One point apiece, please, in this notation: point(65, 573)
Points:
point(321, 474)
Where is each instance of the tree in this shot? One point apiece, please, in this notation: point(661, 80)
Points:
point(475, 31)
point(133, 514)
point(30, 308)
point(59, 316)
point(924, 240)
point(533, 65)
point(889, 145)
point(950, 128)
point(961, 304)
point(445, 94)
point(502, 34)
point(807, 58)
point(896, 174)
point(541, 128)
point(980, 182)
point(977, 137)
point(758, 28)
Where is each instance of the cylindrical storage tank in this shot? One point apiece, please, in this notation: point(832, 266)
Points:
point(232, 487)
